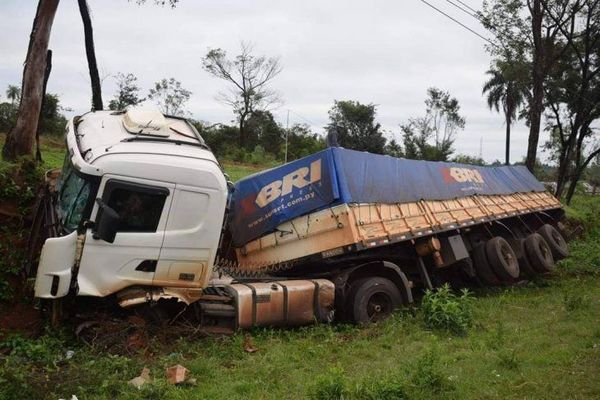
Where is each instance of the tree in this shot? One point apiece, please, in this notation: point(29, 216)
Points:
point(303, 142)
point(13, 93)
point(52, 121)
point(355, 127)
point(524, 31)
point(127, 92)
point(264, 131)
point(593, 175)
point(393, 149)
point(506, 89)
point(573, 90)
point(466, 159)
point(19, 140)
point(170, 96)
point(249, 77)
point(90, 52)
point(431, 137)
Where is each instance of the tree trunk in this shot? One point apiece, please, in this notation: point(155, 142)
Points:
point(537, 105)
point(38, 151)
point(242, 131)
point(577, 175)
point(573, 186)
point(91, 55)
point(20, 140)
point(508, 121)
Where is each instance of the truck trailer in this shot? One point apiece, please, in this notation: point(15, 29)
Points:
point(143, 214)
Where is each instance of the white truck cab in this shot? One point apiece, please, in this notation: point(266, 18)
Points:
point(140, 202)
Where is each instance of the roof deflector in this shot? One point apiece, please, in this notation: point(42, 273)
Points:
point(146, 122)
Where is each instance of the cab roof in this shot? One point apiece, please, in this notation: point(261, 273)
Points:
point(139, 131)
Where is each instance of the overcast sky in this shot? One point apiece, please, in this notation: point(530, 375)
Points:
point(384, 52)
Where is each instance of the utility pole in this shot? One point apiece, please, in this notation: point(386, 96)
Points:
point(287, 132)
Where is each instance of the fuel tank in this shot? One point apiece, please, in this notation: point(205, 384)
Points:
point(282, 303)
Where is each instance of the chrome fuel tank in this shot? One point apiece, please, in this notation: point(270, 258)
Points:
point(283, 303)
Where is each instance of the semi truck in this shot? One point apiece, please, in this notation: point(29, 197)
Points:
point(143, 214)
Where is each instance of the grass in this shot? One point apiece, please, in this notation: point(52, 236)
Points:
point(538, 341)
point(528, 342)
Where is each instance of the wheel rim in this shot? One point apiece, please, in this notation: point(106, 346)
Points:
point(379, 306)
point(545, 249)
point(558, 239)
point(509, 258)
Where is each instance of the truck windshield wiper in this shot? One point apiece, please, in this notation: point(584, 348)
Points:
point(164, 140)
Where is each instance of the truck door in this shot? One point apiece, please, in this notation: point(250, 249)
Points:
point(191, 237)
point(143, 207)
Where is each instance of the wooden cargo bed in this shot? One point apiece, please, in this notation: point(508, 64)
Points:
point(332, 231)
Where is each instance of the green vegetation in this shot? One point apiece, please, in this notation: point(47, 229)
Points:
point(525, 344)
point(442, 309)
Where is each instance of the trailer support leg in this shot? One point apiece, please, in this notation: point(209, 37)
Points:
point(424, 274)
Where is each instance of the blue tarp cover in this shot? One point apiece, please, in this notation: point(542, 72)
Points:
point(336, 175)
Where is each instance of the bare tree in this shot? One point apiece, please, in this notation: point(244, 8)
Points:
point(169, 96)
point(248, 77)
point(20, 139)
point(127, 93)
point(90, 52)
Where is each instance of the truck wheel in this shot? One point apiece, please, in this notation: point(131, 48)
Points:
point(527, 270)
point(502, 258)
point(482, 267)
point(539, 253)
point(373, 299)
point(555, 240)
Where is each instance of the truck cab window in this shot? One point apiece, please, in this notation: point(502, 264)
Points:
point(74, 193)
point(139, 211)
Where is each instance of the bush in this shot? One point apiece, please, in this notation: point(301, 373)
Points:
point(442, 309)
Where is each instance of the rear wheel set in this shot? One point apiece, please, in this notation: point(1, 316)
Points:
point(496, 262)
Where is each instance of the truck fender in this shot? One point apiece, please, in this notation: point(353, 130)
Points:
point(501, 229)
point(385, 269)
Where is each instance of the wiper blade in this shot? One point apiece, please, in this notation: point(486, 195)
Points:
point(164, 140)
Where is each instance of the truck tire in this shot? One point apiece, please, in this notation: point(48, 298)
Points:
point(482, 267)
point(556, 241)
point(538, 253)
point(527, 270)
point(502, 259)
point(373, 299)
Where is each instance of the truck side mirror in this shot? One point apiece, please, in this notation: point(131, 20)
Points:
point(107, 223)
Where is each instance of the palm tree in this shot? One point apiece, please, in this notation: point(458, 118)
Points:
point(13, 93)
point(508, 90)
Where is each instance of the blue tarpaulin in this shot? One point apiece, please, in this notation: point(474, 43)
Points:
point(336, 175)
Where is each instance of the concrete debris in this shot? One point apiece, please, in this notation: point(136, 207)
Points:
point(177, 374)
point(248, 346)
point(139, 381)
